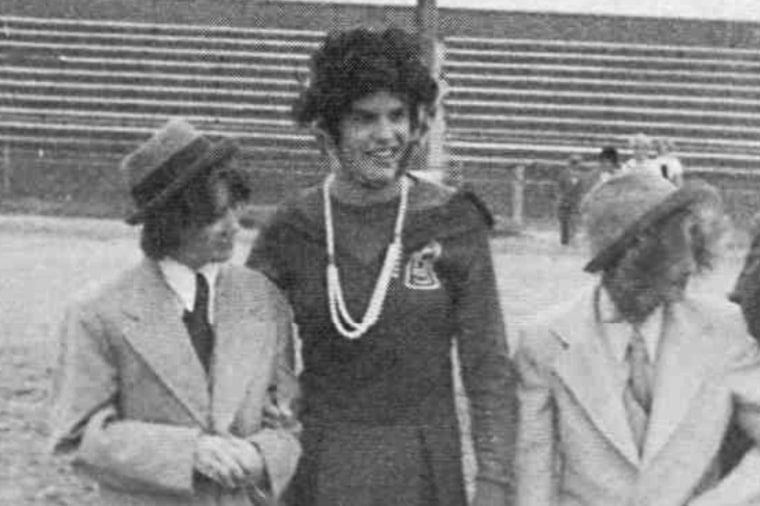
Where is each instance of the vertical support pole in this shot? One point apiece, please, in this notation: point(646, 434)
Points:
point(518, 195)
point(426, 18)
point(7, 169)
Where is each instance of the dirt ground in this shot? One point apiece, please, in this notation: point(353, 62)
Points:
point(43, 262)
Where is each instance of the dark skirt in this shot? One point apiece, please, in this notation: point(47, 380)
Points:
point(358, 465)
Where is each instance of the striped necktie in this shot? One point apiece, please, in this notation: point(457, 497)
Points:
point(638, 392)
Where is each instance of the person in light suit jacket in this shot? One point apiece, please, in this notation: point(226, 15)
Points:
point(626, 392)
point(175, 384)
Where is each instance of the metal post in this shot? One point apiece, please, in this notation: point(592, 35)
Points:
point(426, 17)
point(7, 168)
point(518, 195)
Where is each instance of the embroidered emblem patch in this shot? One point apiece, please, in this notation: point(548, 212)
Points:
point(419, 273)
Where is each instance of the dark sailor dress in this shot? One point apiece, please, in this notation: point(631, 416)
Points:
point(380, 426)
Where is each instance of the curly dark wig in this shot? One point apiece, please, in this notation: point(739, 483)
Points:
point(355, 63)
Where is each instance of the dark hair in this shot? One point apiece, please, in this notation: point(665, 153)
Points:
point(609, 153)
point(194, 206)
point(355, 63)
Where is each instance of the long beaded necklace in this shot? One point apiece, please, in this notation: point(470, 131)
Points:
point(341, 318)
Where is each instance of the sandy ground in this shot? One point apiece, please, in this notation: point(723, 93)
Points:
point(44, 262)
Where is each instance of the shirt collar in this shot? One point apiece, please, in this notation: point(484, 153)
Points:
point(181, 279)
point(619, 331)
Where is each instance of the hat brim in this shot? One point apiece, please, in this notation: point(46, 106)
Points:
point(691, 194)
point(217, 154)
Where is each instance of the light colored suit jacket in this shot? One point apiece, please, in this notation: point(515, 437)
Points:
point(575, 445)
point(131, 396)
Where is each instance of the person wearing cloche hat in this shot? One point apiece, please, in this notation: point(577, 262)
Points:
point(175, 382)
point(628, 389)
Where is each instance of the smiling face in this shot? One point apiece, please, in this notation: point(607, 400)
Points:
point(373, 139)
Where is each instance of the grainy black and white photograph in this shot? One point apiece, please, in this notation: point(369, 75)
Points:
point(380, 253)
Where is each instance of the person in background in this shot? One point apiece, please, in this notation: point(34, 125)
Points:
point(626, 390)
point(386, 272)
point(746, 290)
point(609, 163)
point(668, 163)
point(571, 185)
point(640, 161)
point(746, 294)
point(175, 383)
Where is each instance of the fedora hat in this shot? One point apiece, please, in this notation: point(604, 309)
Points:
point(167, 162)
point(617, 211)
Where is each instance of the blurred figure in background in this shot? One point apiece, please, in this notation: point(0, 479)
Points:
point(572, 183)
point(641, 155)
point(609, 163)
point(668, 163)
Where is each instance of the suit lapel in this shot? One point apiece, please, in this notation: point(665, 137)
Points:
point(590, 373)
point(242, 350)
point(156, 332)
point(684, 355)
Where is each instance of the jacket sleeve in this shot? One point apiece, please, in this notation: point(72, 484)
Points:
point(536, 442)
point(487, 371)
point(278, 440)
point(266, 254)
point(129, 455)
point(741, 487)
point(743, 379)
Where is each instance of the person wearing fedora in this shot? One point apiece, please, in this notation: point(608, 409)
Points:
point(385, 271)
point(175, 384)
point(627, 390)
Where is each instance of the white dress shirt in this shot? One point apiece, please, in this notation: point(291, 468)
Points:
point(181, 279)
point(618, 331)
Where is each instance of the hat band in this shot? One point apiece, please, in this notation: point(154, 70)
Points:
point(165, 174)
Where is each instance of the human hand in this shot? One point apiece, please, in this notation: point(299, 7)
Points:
point(250, 457)
point(488, 493)
point(227, 460)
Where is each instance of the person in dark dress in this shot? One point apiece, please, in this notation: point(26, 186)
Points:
point(386, 272)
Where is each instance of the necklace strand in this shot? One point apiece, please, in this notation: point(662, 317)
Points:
point(339, 314)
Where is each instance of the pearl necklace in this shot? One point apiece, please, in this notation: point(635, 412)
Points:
point(341, 318)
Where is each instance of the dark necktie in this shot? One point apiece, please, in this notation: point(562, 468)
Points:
point(196, 321)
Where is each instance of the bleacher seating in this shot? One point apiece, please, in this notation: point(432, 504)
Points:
point(91, 89)
point(546, 99)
